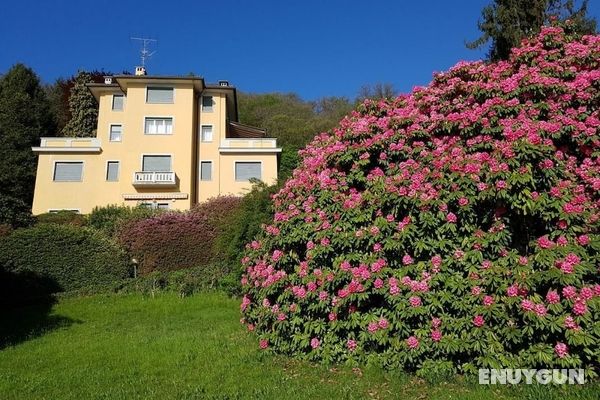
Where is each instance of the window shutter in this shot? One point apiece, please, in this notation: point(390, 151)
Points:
point(156, 164)
point(159, 95)
point(68, 171)
point(112, 171)
point(206, 171)
point(244, 171)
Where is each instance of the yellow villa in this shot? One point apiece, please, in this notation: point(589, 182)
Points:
point(162, 141)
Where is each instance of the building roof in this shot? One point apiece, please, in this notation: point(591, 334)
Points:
point(121, 82)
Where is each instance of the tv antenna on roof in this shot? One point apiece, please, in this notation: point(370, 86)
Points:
point(145, 53)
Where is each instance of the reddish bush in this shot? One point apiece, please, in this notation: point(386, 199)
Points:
point(459, 224)
point(177, 240)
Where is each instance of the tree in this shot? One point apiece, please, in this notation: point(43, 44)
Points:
point(506, 22)
point(24, 118)
point(377, 91)
point(83, 108)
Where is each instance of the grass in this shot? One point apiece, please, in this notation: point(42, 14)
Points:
point(166, 347)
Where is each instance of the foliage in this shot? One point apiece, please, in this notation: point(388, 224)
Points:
point(506, 22)
point(185, 282)
point(71, 256)
point(63, 217)
point(59, 94)
point(377, 91)
point(14, 212)
point(291, 120)
point(238, 228)
point(83, 109)
point(459, 223)
point(24, 117)
point(177, 240)
point(109, 219)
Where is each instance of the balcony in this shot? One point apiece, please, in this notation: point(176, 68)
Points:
point(154, 179)
point(243, 145)
point(68, 145)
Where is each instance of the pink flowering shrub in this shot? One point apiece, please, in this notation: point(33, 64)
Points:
point(458, 224)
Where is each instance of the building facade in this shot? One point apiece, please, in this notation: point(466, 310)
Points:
point(164, 142)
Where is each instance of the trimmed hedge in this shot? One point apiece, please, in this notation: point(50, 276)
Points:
point(109, 219)
point(177, 240)
point(62, 218)
point(73, 257)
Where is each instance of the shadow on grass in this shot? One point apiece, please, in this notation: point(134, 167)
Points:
point(26, 301)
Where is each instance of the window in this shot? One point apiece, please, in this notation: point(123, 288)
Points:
point(156, 163)
point(207, 103)
point(246, 170)
point(160, 206)
point(206, 170)
point(68, 171)
point(158, 126)
point(117, 102)
point(116, 133)
point(161, 95)
point(207, 133)
point(112, 171)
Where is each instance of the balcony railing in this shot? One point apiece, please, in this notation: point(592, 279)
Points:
point(144, 178)
point(68, 145)
point(249, 145)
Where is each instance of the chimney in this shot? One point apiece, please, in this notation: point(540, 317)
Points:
point(224, 83)
point(108, 80)
point(140, 71)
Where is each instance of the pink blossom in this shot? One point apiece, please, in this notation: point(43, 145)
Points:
point(561, 350)
point(570, 323)
point(580, 308)
point(545, 243)
point(263, 343)
point(315, 343)
point(486, 264)
point(488, 301)
point(451, 217)
point(436, 322)
point(436, 335)
point(512, 291)
point(412, 342)
point(373, 327)
point(586, 293)
point(463, 201)
point(478, 321)
point(351, 344)
point(583, 240)
point(378, 283)
point(540, 310)
point(501, 184)
point(475, 290)
point(382, 323)
point(415, 301)
point(407, 260)
point(527, 305)
point(569, 292)
point(332, 316)
point(277, 254)
point(552, 297)
point(523, 260)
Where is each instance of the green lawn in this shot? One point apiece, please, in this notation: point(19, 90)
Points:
point(134, 347)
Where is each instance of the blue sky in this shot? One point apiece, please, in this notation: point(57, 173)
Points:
point(313, 48)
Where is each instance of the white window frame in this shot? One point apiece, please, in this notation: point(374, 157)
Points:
point(118, 170)
point(68, 161)
point(212, 133)
point(159, 86)
point(207, 109)
point(154, 204)
point(110, 129)
point(158, 117)
point(262, 172)
point(156, 154)
point(112, 105)
point(212, 164)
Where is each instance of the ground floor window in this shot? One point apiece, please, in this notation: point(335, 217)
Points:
point(68, 171)
point(246, 170)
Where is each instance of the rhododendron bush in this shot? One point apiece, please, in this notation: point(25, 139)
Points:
point(458, 223)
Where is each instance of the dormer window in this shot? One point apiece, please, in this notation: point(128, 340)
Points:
point(159, 95)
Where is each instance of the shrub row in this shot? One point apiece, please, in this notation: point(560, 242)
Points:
point(177, 240)
point(65, 257)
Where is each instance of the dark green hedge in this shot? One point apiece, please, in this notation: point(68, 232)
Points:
point(70, 256)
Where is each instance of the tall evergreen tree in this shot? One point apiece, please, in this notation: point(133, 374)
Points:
point(83, 109)
point(24, 118)
point(506, 22)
